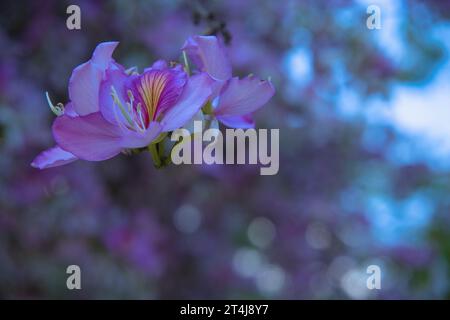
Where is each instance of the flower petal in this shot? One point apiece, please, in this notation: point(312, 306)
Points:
point(103, 53)
point(68, 110)
point(133, 139)
point(83, 88)
point(53, 157)
point(159, 89)
point(243, 122)
point(88, 137)
point(195, 94)
point(85, 80)
point(158, 65)
point(240, 97)
point(209, 55)
point(120, 81)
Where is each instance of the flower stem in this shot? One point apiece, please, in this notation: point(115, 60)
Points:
point(167, 161)
point(155, 155)
point(207, 108)
point(161, 150)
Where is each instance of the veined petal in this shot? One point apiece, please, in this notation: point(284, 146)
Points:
point(240, 97)
point(209, 55)
point(53, 157)
point(85, 80)
point(88, 137)
point(159, 89)
point(243, 122)
point(195, 94)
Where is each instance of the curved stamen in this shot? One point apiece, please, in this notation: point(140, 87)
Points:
point(132, 71)
point(140, 116)
point(118, 103)
point(58, 109)
point(133, 114)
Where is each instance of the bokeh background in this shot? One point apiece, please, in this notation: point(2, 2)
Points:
point(364, 118)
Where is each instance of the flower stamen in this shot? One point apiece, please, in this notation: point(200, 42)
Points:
point(140, 116)
point(118, 103)
point(58, 110)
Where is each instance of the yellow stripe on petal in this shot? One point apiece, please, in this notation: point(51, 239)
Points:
point(151, 86)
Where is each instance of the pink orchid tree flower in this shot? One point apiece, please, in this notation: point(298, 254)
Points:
point(112, 109)
point(234, 99)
